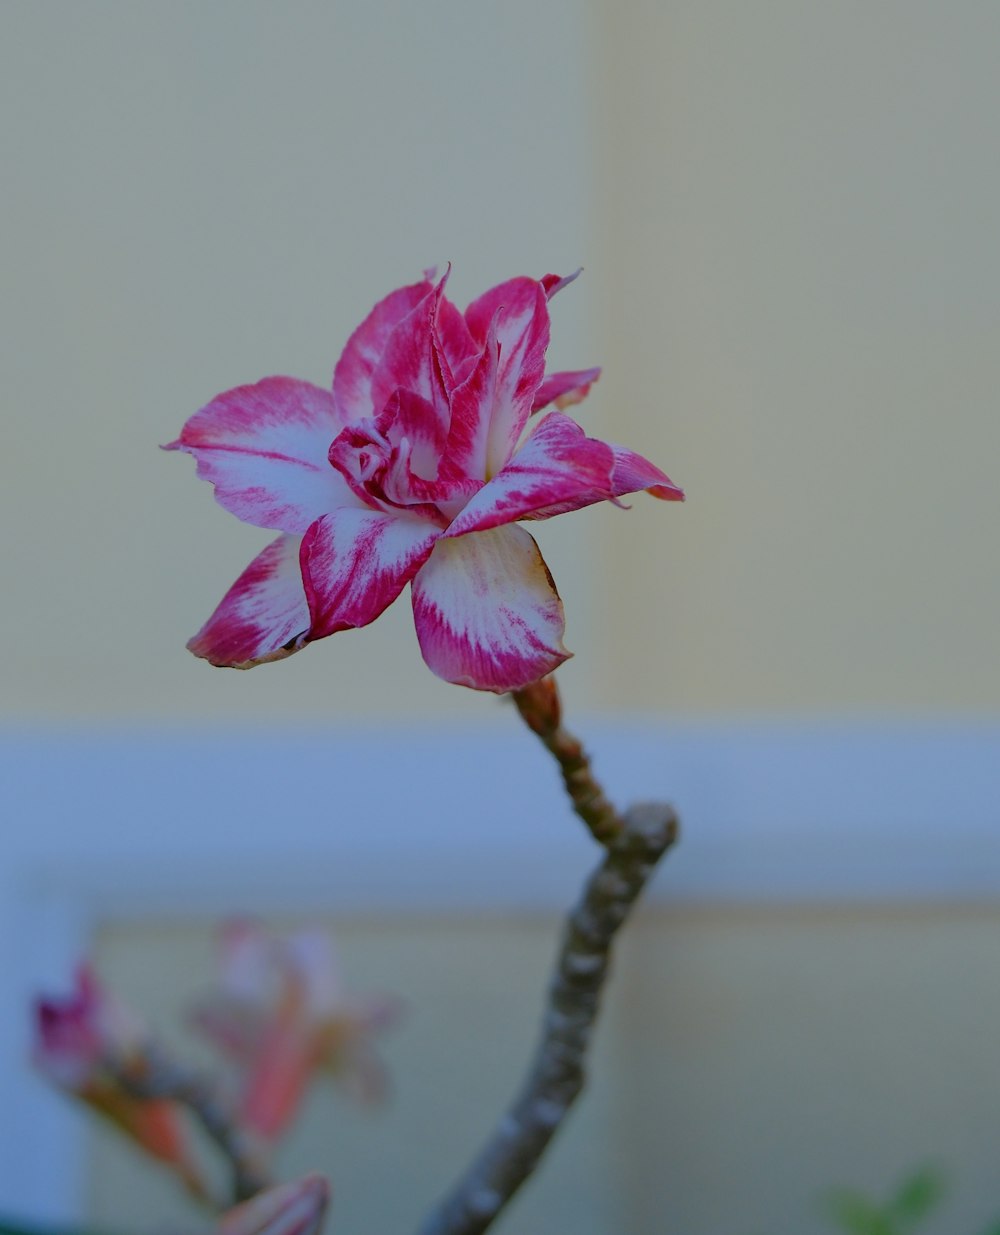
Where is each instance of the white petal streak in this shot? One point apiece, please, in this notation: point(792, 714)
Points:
point(487, 612)
point(264, 447)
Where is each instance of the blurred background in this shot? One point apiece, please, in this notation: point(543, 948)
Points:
point(786, 213)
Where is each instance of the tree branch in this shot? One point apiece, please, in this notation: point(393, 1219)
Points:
point(541, 710)
point(155, 1075)
point(558, 1073)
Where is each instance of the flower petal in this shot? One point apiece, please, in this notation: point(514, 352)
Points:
point(565, 389)
point(264, 447)
point(356, 562)
point(246, 960)
point(309, 956)
point(554, 283)
point(522, 332)
point(352, 378)
point(412, 360)
point(487, 612)
point(472, 405)
point(633, 472)
point(630, 473)
point(454, 342)
point(278, 1074)
point(235, 1027)
point(557, 465)
point(77, 1038)
point(264, 615)
point(411, 417)
point(288, 1209)
point(72, 1035)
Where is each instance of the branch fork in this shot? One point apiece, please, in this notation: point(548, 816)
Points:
point(633, 843)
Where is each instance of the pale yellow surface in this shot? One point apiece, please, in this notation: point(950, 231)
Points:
point(749, 1062)
point(801, 304)
point(787, 213)
point(195, 196)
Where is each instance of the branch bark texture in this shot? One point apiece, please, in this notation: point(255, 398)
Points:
point(541, 710)
point(634, 842)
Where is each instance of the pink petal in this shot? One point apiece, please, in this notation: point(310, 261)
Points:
point(633, 472)
point(565, 389)
point(352, 378)
point(234, 1027)
point(472, 405)
point(68, 1042)
point(522, 332)
point(557, 465)
point(264, 615)
point(413, 418)
point(554, 283)
point(159, 1127)
point(630, 473)
point(278, 1075)
point(454, 341)
point(411, 359)
point(362, 453)
point(288, 1209)
point(356, 562)
point(487, 613)
point(387, 461)
point(264, 447)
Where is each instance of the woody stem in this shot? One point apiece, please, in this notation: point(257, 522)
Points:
point(634, 842)
point(541, 710)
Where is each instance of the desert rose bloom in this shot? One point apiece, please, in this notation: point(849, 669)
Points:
point(289, 1209)
point(76, 1038)
point(414, 468)
point(281, 1014)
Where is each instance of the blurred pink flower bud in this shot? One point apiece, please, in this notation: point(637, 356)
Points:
point(76, 1041)
point(289, 1209)
point(280, 1013)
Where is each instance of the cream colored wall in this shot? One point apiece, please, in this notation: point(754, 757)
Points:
point(787, 214)
point(196, 195)
point(749, 1062)
point(800, 313)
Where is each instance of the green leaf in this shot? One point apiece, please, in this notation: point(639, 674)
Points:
point(917, 1195)
point(855, 1213)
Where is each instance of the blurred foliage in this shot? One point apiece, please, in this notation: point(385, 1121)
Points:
point(916, 1197)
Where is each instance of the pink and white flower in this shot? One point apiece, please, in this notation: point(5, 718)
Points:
point(75, 1041)
point(281, 1015)
point(415, 467)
